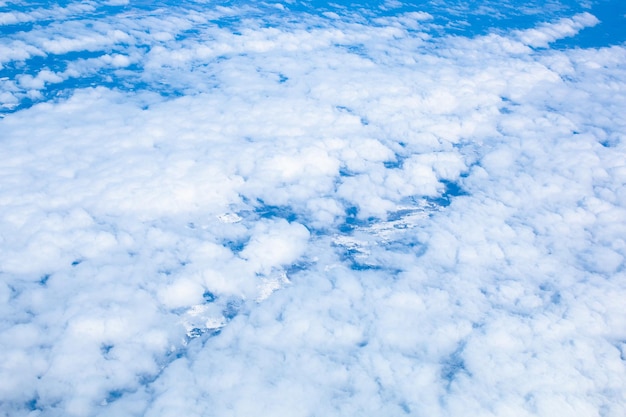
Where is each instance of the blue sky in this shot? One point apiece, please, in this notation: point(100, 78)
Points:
point(312, 209)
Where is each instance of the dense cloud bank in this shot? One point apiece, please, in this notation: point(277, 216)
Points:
point(308, 215)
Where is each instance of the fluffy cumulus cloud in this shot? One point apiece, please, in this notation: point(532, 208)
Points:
point(257, 210)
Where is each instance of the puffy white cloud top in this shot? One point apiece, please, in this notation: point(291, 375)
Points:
point(227, 211)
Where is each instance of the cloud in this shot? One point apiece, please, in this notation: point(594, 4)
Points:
point(230, 212)
point(18, 50)
point(38, 14)
point(13, 18)
point(547, 33)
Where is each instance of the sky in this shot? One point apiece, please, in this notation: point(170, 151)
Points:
point(312, 208)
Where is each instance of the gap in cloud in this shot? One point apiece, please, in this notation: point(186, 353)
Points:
point(453, 366)
point(235, 246)
point(364, 244)
point(269, 211)
point(452, 189)
point(396, 163)
point(32, 405)
point(11, 29)
point(352, 221)
point(208, 297)
point(43, 281)
point(113, 396)
point(207, 319)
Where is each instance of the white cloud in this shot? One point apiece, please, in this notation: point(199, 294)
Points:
point(18, 50)
point(90, 42)
point(18, 17)
point(275, 244)
point(38, 82)
point(323, 217)
point(11, 18)
point(543, 35)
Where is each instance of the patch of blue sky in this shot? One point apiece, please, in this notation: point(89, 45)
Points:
point(11, 29)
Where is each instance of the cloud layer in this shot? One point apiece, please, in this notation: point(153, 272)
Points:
point(230, 211)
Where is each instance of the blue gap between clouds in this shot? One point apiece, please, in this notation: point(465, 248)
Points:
point(268, 211)
point(453, 366)
point(352, 223)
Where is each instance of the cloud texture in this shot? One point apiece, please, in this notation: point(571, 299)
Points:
point(253, 210)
